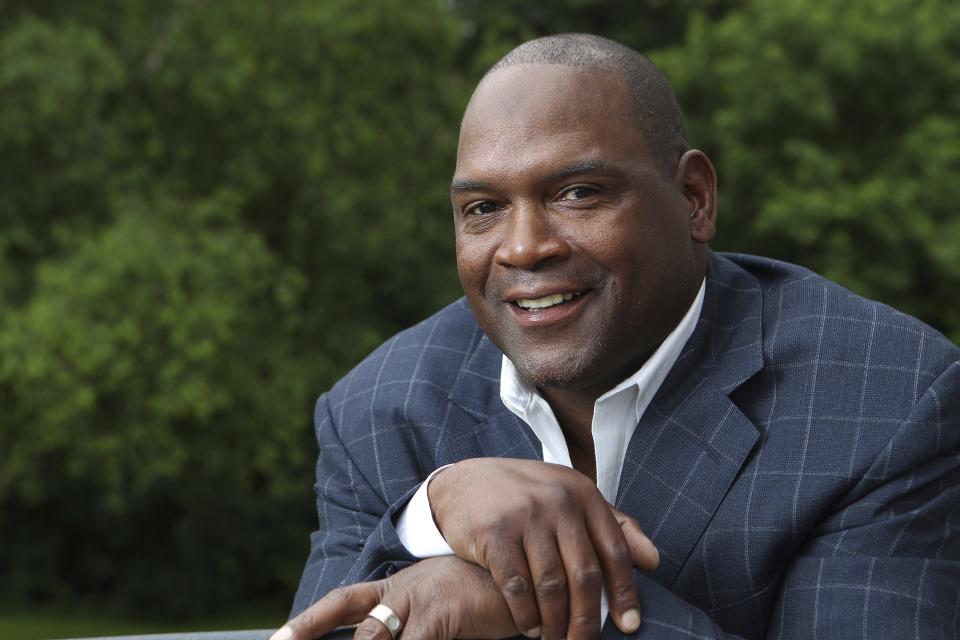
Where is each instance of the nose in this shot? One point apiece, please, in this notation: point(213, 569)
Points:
point(530, 239)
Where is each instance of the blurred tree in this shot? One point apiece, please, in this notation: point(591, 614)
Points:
point(493, 27)
point(645, 24)
point(138, 375)
point(55, 89)
point(216, 208)
point(836, 130)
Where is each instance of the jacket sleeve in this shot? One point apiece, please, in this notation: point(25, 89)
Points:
point(356, 540)
point(885, 563)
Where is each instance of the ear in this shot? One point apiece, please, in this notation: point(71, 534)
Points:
point(698, 183)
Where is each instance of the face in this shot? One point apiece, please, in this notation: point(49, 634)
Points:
point(577, 253)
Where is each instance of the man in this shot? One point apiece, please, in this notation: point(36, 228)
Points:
point(776, 456)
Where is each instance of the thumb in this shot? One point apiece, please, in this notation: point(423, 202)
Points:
point(341, 607)
point(645, 555)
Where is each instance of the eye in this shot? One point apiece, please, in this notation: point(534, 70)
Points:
point(481, 208)
point(577, 193)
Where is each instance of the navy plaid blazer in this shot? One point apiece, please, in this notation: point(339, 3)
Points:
point(799, 468)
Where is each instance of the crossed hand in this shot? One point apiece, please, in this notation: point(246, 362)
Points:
point(535, 544)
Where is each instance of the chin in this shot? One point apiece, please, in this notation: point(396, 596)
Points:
point(570, 371)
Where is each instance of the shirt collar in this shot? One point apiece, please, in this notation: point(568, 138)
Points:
point(517, 394)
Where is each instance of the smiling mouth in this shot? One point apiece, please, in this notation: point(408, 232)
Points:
point(550, 300)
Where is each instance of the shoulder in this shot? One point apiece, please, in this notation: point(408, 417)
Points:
point(850, 388)
point(409, 377)
point(806, 317)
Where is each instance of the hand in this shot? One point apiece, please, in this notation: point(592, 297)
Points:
point(438, 598)
point(548, 538)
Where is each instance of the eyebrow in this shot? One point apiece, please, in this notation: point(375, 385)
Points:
point(571, 170)
point(582, 167)
point(461, 186)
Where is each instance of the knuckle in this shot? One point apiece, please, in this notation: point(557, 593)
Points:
point(620, 554)
point(480, 552)
point(583, 483)
point(578, 482)
point(557, 494)
point(551, 586)
point(583, 624)
point(588, 577)
point(497, 527)
point(623, 590)
point(340, 594)
point(515, 586)
point(371, 630)
point(501, 559)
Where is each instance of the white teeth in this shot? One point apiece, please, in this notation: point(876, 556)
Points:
point(546, 301)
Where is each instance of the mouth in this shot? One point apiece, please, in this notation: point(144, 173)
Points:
point(553, 309)
point(547, 301)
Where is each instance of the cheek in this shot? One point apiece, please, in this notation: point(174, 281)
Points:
point(612, 245)
point(472, 265)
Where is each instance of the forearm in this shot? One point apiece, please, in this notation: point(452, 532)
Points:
point(356, 539)
point(334, 560)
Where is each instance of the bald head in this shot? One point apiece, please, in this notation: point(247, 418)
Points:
point(657, 113)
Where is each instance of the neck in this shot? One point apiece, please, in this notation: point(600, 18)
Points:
point(574, 411)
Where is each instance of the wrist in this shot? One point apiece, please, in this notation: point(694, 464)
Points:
point(437, 484)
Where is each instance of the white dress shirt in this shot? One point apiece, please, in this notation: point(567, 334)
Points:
point(615, 416)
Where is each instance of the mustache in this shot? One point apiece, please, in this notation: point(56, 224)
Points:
point(580, 278)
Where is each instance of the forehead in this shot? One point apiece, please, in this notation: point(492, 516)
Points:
point(533, 117)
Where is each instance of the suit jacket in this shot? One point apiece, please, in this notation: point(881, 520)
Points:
point(799, 468)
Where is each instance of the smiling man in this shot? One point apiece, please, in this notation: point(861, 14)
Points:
point(619, 429)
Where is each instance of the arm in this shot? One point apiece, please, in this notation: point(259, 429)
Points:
point(356, 540)
point(883, 561)
point(886, 563)
point(416, 528)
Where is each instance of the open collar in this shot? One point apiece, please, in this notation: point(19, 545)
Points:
point(691, 442)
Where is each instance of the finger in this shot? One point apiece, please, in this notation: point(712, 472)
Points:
point(645, 555)
point(584, 582)
point(340, 607)
point(509, 568)
point(614, 555)
point(373, 629)
point(549, 583)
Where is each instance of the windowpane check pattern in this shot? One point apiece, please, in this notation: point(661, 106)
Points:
point(799, 468)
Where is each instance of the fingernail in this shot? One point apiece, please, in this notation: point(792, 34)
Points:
point(532, 633)
point(630, 620)
point(283, 633)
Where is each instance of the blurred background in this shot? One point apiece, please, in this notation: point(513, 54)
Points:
point(211, 209)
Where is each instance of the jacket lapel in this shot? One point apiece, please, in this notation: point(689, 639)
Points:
point(692, 440)
point(496, 432)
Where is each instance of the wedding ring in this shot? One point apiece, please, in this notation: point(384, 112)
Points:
point(387, 617)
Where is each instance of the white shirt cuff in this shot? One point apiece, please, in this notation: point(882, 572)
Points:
point(416, 529)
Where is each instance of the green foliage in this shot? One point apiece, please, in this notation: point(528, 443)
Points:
point(148, 325)
point(209, 211)
point(834, 126)
point(153, 385)
point(55, 86)
point(215, 209)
